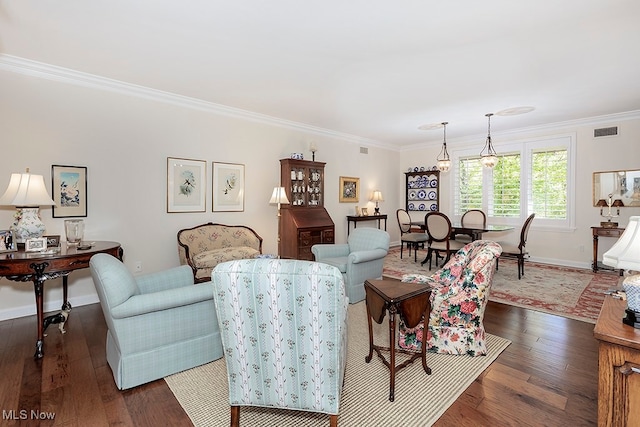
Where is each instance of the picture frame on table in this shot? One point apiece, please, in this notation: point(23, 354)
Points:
point(53, 241)
point(228, 187)
point(349, 189)
point(186, 185)
point(69, 191)
point(35, 245)
point(365, 211)
point(8, 241)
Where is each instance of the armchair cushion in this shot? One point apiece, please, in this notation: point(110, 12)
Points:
point(458, 299)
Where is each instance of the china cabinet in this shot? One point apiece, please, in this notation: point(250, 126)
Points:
point(422, 191)
point(304, 222)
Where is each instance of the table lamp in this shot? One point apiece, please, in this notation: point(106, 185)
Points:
point(625, 254)
point(279, 196)
point(377, 197)
point(27, 193)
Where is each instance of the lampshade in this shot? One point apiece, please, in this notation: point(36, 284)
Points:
point(617, 203)
point(26, 190)
point(444, 162)
point(601, 203)
point(377, 196)
point(279, 196)
point(625, 253)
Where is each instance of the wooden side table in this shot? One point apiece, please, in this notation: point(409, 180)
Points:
point(411, 302)
point(357, 219)
point(618, 366)
point(603, 232)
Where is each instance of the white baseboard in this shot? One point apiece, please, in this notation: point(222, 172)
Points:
point(30, 310)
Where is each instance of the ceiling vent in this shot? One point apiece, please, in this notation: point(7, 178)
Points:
point(612, 131)
point(364, 150)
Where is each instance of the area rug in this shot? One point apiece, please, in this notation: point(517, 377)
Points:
point(575, 293)
point(204, 395)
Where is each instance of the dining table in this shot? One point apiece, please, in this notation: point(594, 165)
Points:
point(475, 231)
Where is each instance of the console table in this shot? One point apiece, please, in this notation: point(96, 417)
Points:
point(603, 232)
point(618, 366)
point(357, 219)
point(39, 267)
point(411, 302)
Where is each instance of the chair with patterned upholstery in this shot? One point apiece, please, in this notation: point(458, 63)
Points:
point(283, 325)
point(459, 295)
point(361, 258)
point(158, 324)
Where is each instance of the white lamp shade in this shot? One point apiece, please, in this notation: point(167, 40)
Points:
point(279, 196)
point(625, 253)
point(377, 196)
point(26, 190)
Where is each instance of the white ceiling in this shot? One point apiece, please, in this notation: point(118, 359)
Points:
point(375, 69)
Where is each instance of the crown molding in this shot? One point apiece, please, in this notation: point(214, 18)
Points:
point(42, 70)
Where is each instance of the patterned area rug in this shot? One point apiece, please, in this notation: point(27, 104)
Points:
point(204, 395)
point(564, 291)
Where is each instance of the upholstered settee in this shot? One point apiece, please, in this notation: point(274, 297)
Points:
point(460, 290)
point(207, 245)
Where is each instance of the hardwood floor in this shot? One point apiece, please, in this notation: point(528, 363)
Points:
point(546, 377)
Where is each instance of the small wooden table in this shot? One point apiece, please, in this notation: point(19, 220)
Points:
point(38, 267)
point(357, 219)
point(411, 302)
point(603, 232)
point(618, 366)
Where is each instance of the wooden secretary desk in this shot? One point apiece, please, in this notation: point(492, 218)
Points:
point(304, 222)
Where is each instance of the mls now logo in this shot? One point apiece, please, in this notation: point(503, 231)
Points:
point(23, 414)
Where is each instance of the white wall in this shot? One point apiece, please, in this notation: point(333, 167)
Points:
point(124, 141)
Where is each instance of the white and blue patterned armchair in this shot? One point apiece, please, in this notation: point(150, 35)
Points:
point(283, 325)
point(361, 258)
point(158, 324)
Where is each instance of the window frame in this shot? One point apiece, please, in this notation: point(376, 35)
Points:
point(525, 148)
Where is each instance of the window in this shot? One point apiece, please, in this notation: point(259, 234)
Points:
point(531, 176)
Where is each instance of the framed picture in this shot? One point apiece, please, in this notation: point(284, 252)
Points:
point(53, 241)
point(7, 241)
point(365, 212)
point(186, 185)
point(228, 187)
point(69, 191)
point(33, 245)
point(349, 189)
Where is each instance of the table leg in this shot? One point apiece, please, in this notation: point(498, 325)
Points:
point(595, 253)
point(392, 351)
point(66, 305)
point(368, 358)
point(38, 288)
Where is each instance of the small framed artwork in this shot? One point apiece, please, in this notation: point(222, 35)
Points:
point(228, 187)
point(349, 189)
point(35, 245)
point(186, 185)
point(365, 212)
point(7, 241)
point(69, 191)
point(53, 241)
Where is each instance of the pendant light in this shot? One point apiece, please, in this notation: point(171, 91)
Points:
point(488, 158)
point(444, 163)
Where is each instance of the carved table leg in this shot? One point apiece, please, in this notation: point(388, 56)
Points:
point(392, 351)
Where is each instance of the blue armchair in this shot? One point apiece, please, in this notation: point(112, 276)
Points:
point(361, 258)
point(158, 324)
point(284, 331)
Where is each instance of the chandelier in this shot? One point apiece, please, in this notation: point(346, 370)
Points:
point(488, 158)
point(444, 163)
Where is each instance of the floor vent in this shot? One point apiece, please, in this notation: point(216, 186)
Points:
point(612, 131)
point(364, 150)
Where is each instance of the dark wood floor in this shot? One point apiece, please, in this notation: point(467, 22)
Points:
point(546, 377)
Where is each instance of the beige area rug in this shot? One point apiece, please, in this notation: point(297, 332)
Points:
point(420, 399)
point(575, 293)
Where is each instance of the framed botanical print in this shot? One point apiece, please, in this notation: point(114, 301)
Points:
point(69, 191)
point(349, 189)
point(186, 185)
point(228, 187)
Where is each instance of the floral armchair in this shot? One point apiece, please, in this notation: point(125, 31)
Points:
point(458, 300)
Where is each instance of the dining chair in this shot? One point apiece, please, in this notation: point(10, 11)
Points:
point(509, 250)
point(438, 228)
point(412, 239)
point(472, 217)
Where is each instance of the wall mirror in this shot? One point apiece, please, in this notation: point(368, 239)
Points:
point(623, 185)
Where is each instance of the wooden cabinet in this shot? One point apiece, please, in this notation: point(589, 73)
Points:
point(423, 191)
point(304, 222)
point(618, 367)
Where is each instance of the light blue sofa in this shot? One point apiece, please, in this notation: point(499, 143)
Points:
point(361, 258)
point(284, 330)
point(158, 324)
